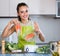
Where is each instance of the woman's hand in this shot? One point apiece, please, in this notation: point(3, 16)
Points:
point(38, 31)
point(14, 21)
point(9, 29)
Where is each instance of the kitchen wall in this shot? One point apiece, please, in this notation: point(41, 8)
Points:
point(48, 25)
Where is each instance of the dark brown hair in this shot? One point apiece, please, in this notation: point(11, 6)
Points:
point(19, 5)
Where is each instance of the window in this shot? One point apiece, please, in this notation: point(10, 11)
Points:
point(57, 8)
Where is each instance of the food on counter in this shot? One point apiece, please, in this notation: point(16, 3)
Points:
point(10, 46)
point(43, 49)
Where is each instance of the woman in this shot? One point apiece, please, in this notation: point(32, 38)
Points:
point(27, 28)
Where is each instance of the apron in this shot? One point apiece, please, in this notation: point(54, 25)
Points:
point(25, 35)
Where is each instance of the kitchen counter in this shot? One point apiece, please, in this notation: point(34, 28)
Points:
point(26, 54)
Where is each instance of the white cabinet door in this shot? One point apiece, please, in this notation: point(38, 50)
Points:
point(34, 6)
point(4, 8)
point(48, 7)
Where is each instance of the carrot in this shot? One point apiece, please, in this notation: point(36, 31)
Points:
point(18, 26)
point(29, 36)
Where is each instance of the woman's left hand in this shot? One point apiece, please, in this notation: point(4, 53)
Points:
point(37, 30)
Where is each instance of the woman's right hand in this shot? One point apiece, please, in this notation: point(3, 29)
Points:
point(9, 29)
point(14, 21)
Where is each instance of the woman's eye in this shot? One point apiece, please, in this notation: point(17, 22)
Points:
point(26, 10)
point(21, 11)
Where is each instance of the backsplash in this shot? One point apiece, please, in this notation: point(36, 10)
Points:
point(48, 25)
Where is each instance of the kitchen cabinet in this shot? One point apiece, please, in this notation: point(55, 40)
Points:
point(8, 7)
point(4, 7)
point(47, 7)
point(33, 6)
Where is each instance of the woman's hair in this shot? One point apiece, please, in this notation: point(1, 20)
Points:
point(18, 6)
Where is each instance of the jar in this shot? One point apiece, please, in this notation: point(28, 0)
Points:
point(58, 47)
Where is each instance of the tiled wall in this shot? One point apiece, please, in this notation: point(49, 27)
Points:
point(48, 25)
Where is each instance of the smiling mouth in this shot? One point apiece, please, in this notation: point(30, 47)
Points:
point(25, 16)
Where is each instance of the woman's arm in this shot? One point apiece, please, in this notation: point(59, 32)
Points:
point(38, 31)
point(9, 29)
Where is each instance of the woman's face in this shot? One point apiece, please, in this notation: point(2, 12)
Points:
point(23, 12)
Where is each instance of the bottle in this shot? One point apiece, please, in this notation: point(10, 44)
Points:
point(58, 47)
point(3, 46)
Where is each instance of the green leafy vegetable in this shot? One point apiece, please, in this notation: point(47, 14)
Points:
point(10, 46)
point(43, 49)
